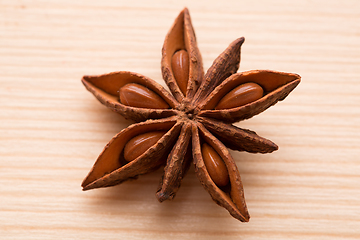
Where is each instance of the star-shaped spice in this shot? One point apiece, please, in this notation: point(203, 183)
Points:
point(193, 124)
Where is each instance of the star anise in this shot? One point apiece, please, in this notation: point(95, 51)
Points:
point(192, 124)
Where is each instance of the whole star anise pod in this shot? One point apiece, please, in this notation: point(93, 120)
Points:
point(194, 123)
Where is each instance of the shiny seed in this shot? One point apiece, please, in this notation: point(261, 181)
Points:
point(180, 68)
point(241, 95)
point(136, 95)
point(215, 165)
point(139, 144)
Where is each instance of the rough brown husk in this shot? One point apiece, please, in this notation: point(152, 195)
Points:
point(190, 121)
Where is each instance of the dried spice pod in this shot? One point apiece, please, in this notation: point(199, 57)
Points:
point(193, 124)
point(233, 200)
point(182, 37)
point(176, 166)
point(237, 138)
point(111, 168)
point(226, 64)
point(276, 85)
point(106, 89)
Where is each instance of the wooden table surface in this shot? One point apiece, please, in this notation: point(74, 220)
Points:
point(52, 129)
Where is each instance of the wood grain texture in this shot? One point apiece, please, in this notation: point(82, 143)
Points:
point(52, 129)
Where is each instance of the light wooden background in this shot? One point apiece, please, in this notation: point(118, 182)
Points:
point(52, 129)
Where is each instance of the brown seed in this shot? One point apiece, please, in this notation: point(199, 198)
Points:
point(136, 95)
point(180, 68)
point(215, 165)
point(241, 95)
point(139, 144)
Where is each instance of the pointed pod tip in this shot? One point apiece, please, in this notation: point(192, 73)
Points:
point(89, 187)
point(244, 216)
point(238, 42)
point(83, 79)
point(161, 196)
point(85, 185)
point(88, 184)
point(268, 146)
point(272, 146)
point(276, 147)
point(87, 79)
point(183, 12)
point(298, 80)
